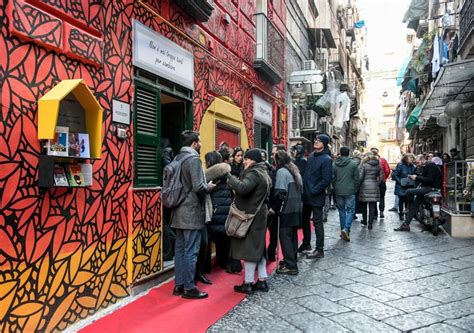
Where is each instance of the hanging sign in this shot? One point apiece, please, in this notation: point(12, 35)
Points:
point(262, 110)
point(157, 54)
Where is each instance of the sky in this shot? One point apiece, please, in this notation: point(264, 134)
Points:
point(386, 34)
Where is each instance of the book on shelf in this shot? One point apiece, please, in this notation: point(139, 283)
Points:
point(79, 145)
point(75, 175)
point(58, 146)
point(60, 178)
point(86, 170)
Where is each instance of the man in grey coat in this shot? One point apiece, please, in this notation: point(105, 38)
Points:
point(346, 183)
point(188, 218)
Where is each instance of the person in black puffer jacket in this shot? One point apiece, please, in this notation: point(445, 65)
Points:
point(221, 197)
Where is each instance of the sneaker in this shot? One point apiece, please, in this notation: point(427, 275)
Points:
point(316, 254)
point(370, 227)
point(244, 288)
point(306, 252)
point(403, 227)
point(345, 235)
point(304, 247)
point(393, 209)
point(382, 216)
point(287, 271)
point(260, 286)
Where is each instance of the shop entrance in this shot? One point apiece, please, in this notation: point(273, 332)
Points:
point(263, 137)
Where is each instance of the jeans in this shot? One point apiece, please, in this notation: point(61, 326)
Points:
point(289, 246)
point(306, 224)
point(415, 198)
point(250, 267)
point(319, 227)
point(327, 205)
point(186, 251)
point(372, 210)
point(346, 207)
point(383, 189)
point(402, 204)
point(203, 265)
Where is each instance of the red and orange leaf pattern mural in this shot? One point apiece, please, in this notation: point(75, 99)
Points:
point(66, 253)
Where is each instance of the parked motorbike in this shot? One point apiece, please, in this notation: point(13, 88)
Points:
point(429, 212)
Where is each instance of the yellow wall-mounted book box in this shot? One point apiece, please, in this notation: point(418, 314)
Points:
point(71, 104)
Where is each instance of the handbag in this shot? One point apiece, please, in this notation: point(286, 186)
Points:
point(238, 222)
point(407, 182)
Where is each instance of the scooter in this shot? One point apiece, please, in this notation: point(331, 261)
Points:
point(429, 212)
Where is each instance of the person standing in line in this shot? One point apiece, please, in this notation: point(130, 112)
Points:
point(189, 217)
point(357, 158)
point(287, 206)
point(301, 162)
point(346, 183)
point(318, 177)
point(236, 167)
point(371, 175)
point(404, 169)
point(272, 224)
point(250, 191)
point(383, 185)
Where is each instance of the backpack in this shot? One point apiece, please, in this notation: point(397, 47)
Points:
point(173, 193)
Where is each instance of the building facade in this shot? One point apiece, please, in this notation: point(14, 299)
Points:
point(69, 252)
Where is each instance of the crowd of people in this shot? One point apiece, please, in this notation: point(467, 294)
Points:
point(282, 196)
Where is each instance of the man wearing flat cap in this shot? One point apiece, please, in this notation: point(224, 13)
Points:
point(317, 178)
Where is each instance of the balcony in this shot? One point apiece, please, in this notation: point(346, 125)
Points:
point(466, 24)
point(201, 10)
point(270, 48)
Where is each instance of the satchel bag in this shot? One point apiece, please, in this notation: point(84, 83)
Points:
point(407, 182)
point(238, 222)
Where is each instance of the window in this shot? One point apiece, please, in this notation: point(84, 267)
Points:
point(147, 125)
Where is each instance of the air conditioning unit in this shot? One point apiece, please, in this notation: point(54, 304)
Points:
point(327, 128)
point(295, 121)
point(296, 133)
point(309, 65)
point(309, 120)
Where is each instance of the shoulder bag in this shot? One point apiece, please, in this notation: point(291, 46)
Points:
point(238, 222)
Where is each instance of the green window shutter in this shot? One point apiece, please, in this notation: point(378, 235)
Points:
point(257, 135)
point(147, 124)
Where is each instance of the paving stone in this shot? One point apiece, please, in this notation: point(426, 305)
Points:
point(452, 310)
point(321, 305)
point(358, 322)
point(466, 323)
point(468, 258)
point(449, 295)
point(406, 289)
point(374, 280)
point(278, 306)
point(346, 272)
point(331, 292)
point(440, 328)
point(439, 268)
point(412, 321)
point(313, 277)
point(372, 292)
point(370, 307)
point(459, 264)
point(411, 274)
point(338, 281)
point(369, 268)
point(399, 265)
point(311, 322)
point(413, 303)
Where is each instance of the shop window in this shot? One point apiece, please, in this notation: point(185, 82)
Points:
point(263, 137)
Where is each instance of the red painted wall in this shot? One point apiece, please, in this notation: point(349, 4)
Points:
point(66, 254)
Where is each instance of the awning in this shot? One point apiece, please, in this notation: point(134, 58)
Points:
point(418, 9)
point(455, 81)
point(327, 34)
point(413, 120)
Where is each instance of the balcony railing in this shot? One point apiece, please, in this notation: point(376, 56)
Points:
point(270, 48)
point(466, 21)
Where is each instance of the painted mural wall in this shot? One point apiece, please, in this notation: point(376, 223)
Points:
point(64, 254)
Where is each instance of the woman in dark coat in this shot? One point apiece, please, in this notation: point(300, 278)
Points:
point(250, 191)
point(237, 166)
point(371, 174)
point(288, 207)
point(404, 168)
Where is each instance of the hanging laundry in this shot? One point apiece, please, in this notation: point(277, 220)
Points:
point(435, 61)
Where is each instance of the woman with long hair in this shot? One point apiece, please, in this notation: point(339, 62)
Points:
point(237, 166)
point(288, 207)
point(404, 169)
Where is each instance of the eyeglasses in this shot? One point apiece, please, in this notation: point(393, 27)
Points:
point(317, 140)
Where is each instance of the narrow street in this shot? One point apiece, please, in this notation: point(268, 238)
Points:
point(382, 281)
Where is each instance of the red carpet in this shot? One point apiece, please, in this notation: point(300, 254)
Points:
point(160, 311)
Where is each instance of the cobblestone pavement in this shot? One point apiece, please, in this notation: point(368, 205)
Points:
point(382, 281)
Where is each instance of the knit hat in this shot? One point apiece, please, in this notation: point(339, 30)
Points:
point(254, 154)
point(324, 139)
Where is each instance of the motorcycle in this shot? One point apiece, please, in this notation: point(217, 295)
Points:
point(429, 212)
